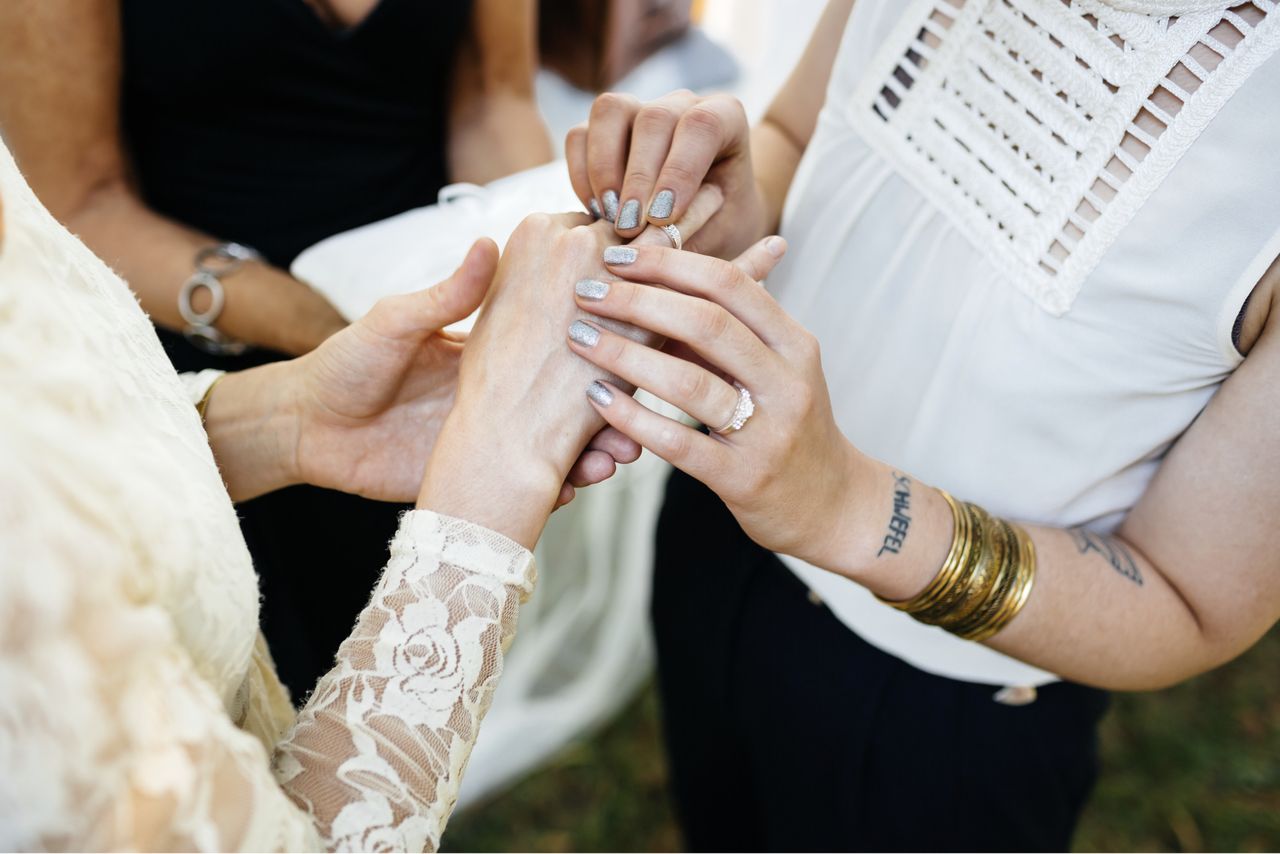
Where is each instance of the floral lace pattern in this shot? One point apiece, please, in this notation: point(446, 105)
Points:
point(378, 753)
point(141, 708)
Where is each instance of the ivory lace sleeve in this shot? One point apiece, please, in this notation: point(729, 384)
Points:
point(378, 752)
point(111, 739)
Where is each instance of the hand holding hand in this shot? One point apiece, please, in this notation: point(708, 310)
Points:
point(370, 401)
point(789, 476)
point(638, 164)
point(519, 421)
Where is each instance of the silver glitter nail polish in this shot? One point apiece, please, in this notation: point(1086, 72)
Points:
point(630, 215)
point(591, 289)
point(601, 395)
point(662, 205)
point(610, 202)
point(619, 255)
point(595, 209)
point(583, 334)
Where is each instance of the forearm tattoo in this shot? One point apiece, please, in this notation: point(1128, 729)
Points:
point(1111, 550)
point(900, 521)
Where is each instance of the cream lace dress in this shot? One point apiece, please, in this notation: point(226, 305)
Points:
point(139, 708)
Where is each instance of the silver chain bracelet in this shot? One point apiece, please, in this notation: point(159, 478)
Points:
point(212, 264)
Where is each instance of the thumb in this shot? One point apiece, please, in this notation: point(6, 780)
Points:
point(460, 294)
point(760, 259)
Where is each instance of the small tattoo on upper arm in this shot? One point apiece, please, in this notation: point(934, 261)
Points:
point(900, 521)
point(1111, 550)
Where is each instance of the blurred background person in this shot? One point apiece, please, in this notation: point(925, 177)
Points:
point(156, 131)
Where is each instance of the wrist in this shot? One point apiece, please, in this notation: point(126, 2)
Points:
point(269, 308)
point(490, 477)
point(899, 532)
point(252, 424)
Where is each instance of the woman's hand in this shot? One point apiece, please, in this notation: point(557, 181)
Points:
point(362, 412)
point(519, 421)
point(789, 476)
point(639, 164)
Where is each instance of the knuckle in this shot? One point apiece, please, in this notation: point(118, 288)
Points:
point(691, 383)
point(810, 347)
point(673, 440)
point(580, 240)
point(678, 170)
point(703, 121)
point(655, 117)
point(639, 175)
point(728, 105)
point(612, 104)
point(712, 323)
point(726, 277)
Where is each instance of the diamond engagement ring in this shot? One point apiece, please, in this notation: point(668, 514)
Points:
point(742, 411)
point(673, 234)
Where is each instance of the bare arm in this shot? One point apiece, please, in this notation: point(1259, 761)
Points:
point(494, 125)
point(1190, 580)
point(59, 112)
point(783, 134)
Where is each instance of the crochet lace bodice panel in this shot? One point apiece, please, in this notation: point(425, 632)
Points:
point(1039, 127)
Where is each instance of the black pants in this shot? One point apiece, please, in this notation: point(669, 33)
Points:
point(786, 731)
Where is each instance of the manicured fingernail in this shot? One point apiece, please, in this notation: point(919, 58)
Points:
point(595, 209)
point(630, 216)
point(593, 289)
point(601, 395)
point(619, 255)
point(583, 334)
point(610, 202)
point(662, 205)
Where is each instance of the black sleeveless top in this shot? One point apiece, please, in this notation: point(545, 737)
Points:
point(254, 121)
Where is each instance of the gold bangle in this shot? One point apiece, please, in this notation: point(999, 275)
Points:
point(984, 581)
point(979, 574)
point(1020, 590)
point(1001, 571)
point(203, 406)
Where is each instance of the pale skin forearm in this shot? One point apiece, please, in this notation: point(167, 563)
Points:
point(1100, 612)
point(1189, 580)
point(779, 140)
point(60, 70)
point(155, 255)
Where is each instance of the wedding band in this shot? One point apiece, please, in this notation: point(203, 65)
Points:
point(742, 410)
point(673, 234)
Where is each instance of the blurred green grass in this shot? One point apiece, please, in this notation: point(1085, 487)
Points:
point(1193, 768)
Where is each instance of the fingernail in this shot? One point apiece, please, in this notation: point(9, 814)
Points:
point(595, 209)
point(583, 334)
point(630, 216)
point(619, 255)
point(610, 201)
point(662, 205)
point(591, 289)
point(775, 246)
point(601, 395)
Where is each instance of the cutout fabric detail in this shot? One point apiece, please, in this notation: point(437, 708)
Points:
point(1039, 127)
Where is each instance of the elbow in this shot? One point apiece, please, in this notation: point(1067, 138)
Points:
point(1159, 673)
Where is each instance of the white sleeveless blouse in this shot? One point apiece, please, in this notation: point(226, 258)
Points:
point(1012, 305)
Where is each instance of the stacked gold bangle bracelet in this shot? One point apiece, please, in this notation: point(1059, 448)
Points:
point(985, 580)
